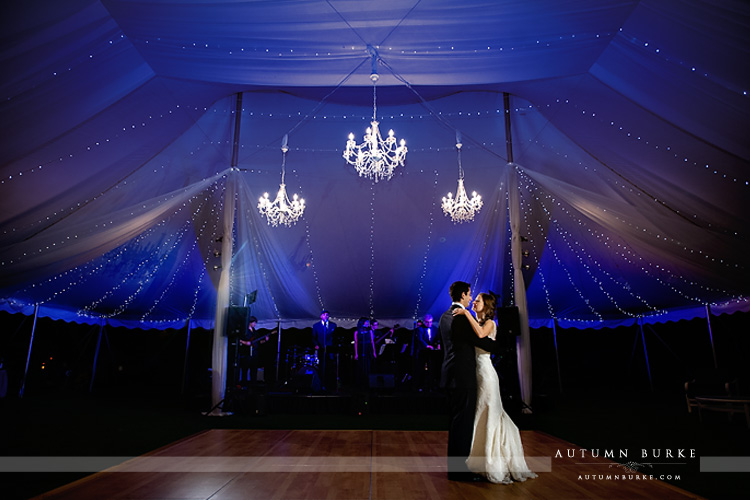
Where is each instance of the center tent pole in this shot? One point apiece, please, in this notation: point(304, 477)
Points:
point(523, 342)
point(220, 344)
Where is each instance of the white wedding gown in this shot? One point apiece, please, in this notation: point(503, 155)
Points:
point(496, 449)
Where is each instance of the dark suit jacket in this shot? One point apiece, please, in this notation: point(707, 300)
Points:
point(459, 356)
point(423, 340)
point(321, 336)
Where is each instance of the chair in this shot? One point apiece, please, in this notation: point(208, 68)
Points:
point(710, 386)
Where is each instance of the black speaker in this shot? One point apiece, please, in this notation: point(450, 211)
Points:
point(236, 321)
point(305, 378)
point(508, 322)
point(382, 381)
point(244, 402)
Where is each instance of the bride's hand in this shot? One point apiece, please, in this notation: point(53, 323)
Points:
point(460, 310)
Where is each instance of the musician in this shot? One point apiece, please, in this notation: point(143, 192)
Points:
point(323, 341)
point(428, 355)
point(386, 345)
point(250, 359)
point(376, 335)
point(364, 352)
point(428, 336)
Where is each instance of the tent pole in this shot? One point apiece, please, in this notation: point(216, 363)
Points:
point(645, 353)
point(557, 354)
point(237, 124)
point(278, 350)
point(28, 354)
point(219, 353)
point(523, 342)
point(711, 335)
point(220, 344)
point(508, 137)
point(185, 364)
point(96, 353)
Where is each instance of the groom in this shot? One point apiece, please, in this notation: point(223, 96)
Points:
point(459, 379)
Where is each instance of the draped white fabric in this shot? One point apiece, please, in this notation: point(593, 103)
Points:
point(629, 123)
point(221, 341)
point(523, 342)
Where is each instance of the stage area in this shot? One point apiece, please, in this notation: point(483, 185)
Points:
point(224, 464)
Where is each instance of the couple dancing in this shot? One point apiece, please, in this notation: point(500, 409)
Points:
point(483, 442)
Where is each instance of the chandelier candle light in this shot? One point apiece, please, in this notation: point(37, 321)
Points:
point(281, 210)
point(376, 158)
point(461, 208)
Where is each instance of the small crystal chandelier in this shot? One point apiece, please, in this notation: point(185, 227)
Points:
point(376, 158)
point(461, 209)
point(281, 210)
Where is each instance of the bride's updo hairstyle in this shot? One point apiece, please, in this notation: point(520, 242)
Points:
point(490, 305)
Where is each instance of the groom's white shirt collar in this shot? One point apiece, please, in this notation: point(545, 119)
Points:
point(459, 305)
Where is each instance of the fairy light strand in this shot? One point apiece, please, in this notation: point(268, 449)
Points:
point(566, 237)
point(623, 252)
point(428, 247)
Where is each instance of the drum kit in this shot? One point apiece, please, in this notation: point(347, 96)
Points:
point(301, 358)
point(296, 363)
point(304, 367)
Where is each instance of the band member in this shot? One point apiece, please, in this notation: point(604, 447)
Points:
point(364, 352)
point(250, 358)
point(248, 361)
point(386, 345)
point(430, 354)
point(322, 341)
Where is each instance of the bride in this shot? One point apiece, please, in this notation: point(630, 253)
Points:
point(496, 449)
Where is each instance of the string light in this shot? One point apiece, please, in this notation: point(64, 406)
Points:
point(60, 160)
point(456, 49)
point(43, 77)
point(485, 243)
point(667, 150)
point(428, 247)
point(567, 238)
point(623, 255)
point(627, 254)
point(168, 287)
point(372, 251)
point(311, 262)
point(264, 273)
point(640, 193)
point(683, 65)
point(143, 279)
point(81, 275)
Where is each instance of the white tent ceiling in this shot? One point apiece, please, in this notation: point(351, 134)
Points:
point(629, 128)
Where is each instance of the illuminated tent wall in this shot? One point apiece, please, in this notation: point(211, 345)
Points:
point(630, 174)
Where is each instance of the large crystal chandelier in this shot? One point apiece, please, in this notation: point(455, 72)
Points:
point(281, 210)
point(461, 208)
point(376, 158)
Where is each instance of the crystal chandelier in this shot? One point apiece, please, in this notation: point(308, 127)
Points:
point(461, 208)
point(281, 210)
point(376, 158)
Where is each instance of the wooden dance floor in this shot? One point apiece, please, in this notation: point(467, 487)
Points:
point(351, 464)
